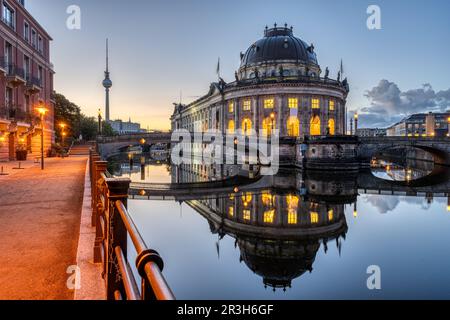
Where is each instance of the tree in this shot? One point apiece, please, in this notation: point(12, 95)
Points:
point(76, 123)
point(68, 113)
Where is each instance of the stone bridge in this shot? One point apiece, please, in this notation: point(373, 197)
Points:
point(109, 146)
point(371, 146)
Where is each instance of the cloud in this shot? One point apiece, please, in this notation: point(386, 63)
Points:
point(388, 104)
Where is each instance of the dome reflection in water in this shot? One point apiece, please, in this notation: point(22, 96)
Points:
point(301, 234)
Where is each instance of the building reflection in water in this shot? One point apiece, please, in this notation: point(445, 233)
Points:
point(280, 227)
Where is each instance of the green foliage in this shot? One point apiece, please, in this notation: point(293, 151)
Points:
point(77, 123)
point(68, 113)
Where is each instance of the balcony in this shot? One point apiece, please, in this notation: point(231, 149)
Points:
point(17, 114)
point(15, 75)
point(34, 85)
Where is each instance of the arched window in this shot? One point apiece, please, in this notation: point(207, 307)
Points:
point(332, 127)
point(268, 125)
point(231, 126)
point(293, 126)
point(315, 126)
point(246, 126)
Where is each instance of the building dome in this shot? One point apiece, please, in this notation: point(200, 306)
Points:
point(279, 45)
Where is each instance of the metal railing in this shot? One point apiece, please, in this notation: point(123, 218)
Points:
point(16, 113)
point(113, 228)
point(13, 70)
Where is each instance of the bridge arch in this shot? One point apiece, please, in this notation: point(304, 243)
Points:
point(438, 148)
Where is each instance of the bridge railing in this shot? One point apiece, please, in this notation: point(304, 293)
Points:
point(114, 226)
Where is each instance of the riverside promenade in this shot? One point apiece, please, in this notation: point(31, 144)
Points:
point(40, 215)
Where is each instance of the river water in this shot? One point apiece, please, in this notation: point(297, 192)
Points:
point(300, 235)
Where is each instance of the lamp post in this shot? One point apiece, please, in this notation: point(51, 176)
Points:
point(42, 111)
point(272, 124)
point(99, 122)
point(448, 121)
point(63, 133)
point(356, 123)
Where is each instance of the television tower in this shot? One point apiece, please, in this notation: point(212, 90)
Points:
point(107, 83)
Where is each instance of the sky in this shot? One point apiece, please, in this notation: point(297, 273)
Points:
point(161, 50)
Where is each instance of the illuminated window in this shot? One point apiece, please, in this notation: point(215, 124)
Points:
point(246, 126)
point(247, 105)
point(268, 199)
point(315, 126)
point(293, 126)
point(330, 215)
point(332, 127)
point(231, 126)
point(293, 103)
point(315, 104)
point(269, 103)
point(292, 204)
point(231, 107)
point(247, 198)
point(331, 105)
point(269, 216)
point(314, 217)
point(292, 217)
point(268, 125)
point(246, 215)
point(231, 211)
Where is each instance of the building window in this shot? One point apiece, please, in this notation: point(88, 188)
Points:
point(26, 31)
point(33, 38)
point(9, 15)
point(315, 126)
point(40, 45)
point(269, 103)
point(293, 126)
point(247, 105)
point(231, 126)
point(246, 126)
point(315, 104)
point(268, 199)
point(26, 67)
point(269, 216)
point(330, 215)
point(231, 211)
point(292, 204)
point(247, 198)
point(331, 127)
point(8, 56)
point(293, 103)
point(41, 76)
point(231, 107)
point(246, 215)
point(9, 97)
point(331, 105)
point(268, 125)
point(292, 217)
point(314, 217)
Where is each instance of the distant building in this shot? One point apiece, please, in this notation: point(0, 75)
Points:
point(371, 132)
point(122, 127)
point(421, 125)
point(26, 82)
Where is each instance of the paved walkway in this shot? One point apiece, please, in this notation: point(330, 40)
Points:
point(40, 213)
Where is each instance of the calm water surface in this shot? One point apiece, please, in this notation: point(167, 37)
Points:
point(301, 237)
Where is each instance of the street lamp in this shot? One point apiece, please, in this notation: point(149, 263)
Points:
point(63, 133)
point(356, 123)
point(42, 111)
point(272, 124)
point(448, 121)
point(99, 122)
